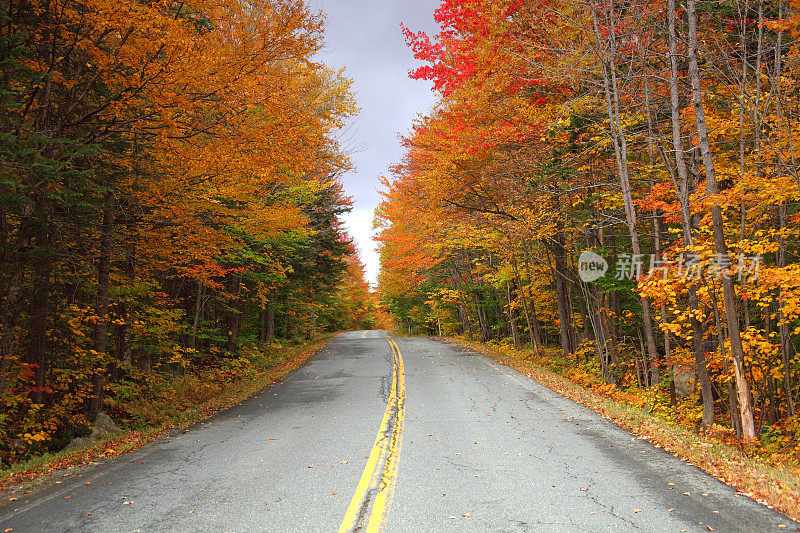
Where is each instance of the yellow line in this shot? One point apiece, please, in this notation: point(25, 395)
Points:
point(383, 500)
point(380, 473)
point(371, 471)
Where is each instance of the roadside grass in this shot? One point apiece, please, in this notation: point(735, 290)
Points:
point(185, 401)
point(767, 480)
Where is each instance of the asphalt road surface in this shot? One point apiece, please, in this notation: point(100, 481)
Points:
point(415, 436)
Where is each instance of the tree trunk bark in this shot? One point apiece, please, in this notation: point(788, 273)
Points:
point(233, 317)
point(706, 391)
point(39, 310)
point(728, 290)
point(198, 311)
point(562, 297)
point(100, 334)
point(537, 331)
point(270, 334)
point(463, 316)
point(783, 324)
point(535, 342)
point(512, 319)
point(682, 188)
point(125, 348)
point(482, 319)
point(10, 303)
point(620, 144)
point(262, 326)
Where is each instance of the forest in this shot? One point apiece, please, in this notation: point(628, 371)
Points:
point(614, 187)
point(170, 202)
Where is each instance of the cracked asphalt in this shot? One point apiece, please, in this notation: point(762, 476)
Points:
point(484, 449)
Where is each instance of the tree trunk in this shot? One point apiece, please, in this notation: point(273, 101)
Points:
point(537, 331)
point(270, 327)
point(512, 319)
point(232, 315)
point(39, 310)
point(10, 303)
point(198, 311)
point(497, 303)
point(620, 144)
point(735, 422)
point(728, 290)
point(783, 323)
point(562, 297)
point(100, 334)
point(463, 316)
point(262, 326)
point(682, 188)
point(482, 319)
point(534, 335)
point(698, 330)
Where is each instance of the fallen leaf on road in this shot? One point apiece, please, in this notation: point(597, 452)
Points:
point(670, 510)
point(190, 512)
point(637, 510)
point(127, 503)
point(710, 528)
point(451, 517)
point(13, 499)
point(9, 529)
point(687, 493)
point(465, 515)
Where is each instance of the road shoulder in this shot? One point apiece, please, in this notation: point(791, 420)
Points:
point(53, 469)
point(775, 487)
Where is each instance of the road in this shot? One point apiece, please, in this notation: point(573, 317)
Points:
point(415, 436)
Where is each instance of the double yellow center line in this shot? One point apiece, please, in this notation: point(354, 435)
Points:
point(369, 508)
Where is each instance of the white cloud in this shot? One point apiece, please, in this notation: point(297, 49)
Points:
point(359, 225)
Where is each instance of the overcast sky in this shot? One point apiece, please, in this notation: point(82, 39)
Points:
point(364, 37)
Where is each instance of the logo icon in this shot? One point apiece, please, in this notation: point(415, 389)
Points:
point(591, 266)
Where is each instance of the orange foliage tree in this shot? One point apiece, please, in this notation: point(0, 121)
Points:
point(169, 194)
point(658, 136)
